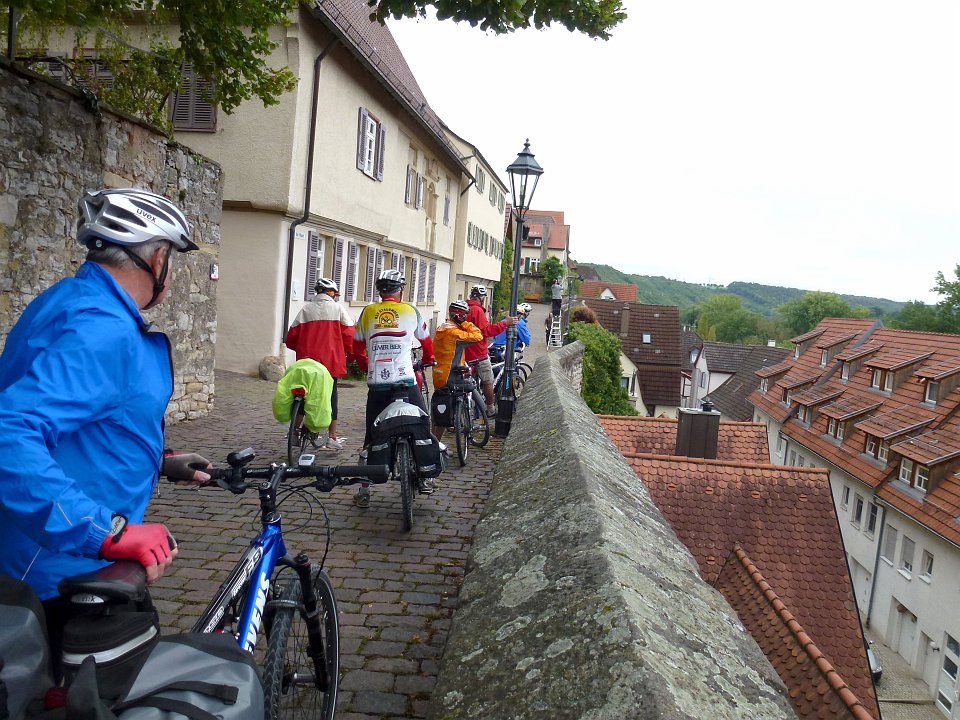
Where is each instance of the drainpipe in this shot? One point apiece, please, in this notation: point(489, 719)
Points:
point(12, 33)
point(876, 562)
point(308, 186)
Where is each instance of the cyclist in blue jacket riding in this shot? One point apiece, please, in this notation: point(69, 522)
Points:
point(84, 383)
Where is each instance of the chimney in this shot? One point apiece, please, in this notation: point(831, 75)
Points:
point(697, 432)
point(625, 321)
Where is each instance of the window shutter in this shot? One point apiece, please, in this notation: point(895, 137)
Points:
point(432, 282)
point(419, 192)
point(446, 210)
point(371, 274)
point(402, 266)
point(407, 193)
point(394, 261)
point(413, 279)
point(362, 140)
point(314, 263)
point(338, 262)
point(422, 282)
point(381, 151)
point(192, 107)
point(378, 267)
point(350, 291)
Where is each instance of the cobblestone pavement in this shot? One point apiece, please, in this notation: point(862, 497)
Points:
point(396, 591)
point(902, 696)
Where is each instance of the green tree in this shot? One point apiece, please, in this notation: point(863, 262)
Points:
point(948, 309)
point(601, 370)
point(229, 43)
point(724, 319)
point(501, 293)
point(803, 314)
point(917, 316)
point(551, 270)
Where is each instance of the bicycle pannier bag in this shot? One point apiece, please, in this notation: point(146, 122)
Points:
point(440, 407)
point(24, 656)
point(404, 418)
point(119, 644)
point(194, 676)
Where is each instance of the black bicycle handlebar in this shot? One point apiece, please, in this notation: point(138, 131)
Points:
point(327, 476)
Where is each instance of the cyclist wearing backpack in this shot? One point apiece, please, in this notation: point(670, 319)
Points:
point(84, 383)
point(323, 331)
point(478, 316)
point(383, 340)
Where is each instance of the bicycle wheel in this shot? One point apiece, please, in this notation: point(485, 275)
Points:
point(479, 428)
point(525, 370)
point(292, 688)
point(403, 473)
point(461, 429)
point(297, 435)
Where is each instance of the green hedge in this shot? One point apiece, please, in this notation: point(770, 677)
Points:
point(601, 370)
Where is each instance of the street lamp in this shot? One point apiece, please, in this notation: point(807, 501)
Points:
point(524, 174)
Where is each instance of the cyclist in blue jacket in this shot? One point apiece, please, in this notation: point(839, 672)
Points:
point(523, 332)
point(84, 383)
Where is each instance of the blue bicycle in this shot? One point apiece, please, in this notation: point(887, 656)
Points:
point(301, 669)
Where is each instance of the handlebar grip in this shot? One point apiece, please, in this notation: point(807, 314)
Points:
point(372, 472)
point(217, 473)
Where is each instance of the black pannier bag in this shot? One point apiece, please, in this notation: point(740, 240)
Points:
point(441, 406)
point(404, 418)
point(24, 654)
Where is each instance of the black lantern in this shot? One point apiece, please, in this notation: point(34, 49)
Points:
point(524, 173)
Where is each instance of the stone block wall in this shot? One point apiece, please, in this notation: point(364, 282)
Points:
point(54, 146)
point(579, 601)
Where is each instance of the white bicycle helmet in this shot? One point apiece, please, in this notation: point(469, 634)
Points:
point(325, 285)
point(458, 311)
point(478, 291)
point(129, 217)
point(524, 308)
point(390, 281)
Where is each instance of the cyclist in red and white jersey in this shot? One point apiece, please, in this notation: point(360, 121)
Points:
point(384, 334)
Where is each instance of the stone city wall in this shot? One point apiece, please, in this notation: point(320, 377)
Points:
point(579, 601)
point(54, 146)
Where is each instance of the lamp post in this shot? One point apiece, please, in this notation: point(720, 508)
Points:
point(524, 173)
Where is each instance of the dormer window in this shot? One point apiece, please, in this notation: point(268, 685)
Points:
point(888, 381)
point(796, 353)
point(823, 358)
point(802, 413)
point(914, 474)
point(880, 449)
point(647, 338)
point(835, 428)
point(933, 389)
point(882, 380)
point(845, 371)
point(764, 385)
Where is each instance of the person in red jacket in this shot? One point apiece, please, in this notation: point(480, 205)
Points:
point(323, 331)
point(478, 316)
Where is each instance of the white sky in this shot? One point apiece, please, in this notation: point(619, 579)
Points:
point(812, 145)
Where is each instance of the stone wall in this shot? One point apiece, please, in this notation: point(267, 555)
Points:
point(578, 600)
point(53, 147)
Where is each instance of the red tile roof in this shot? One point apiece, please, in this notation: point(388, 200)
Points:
point(737, 441)
point(621, 291)
point(783, 518)
point(732, 397)
point(559, 237)
point(925, 432)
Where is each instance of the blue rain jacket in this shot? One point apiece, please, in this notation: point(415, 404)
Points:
point(523, 334)
point(84, 383)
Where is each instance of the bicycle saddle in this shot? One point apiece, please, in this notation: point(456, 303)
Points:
point(122, 580)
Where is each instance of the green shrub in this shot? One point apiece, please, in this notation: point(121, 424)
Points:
point(601, 370)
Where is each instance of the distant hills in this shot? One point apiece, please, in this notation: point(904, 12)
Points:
point(763, 299)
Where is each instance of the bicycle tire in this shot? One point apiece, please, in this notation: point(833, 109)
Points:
point(525, 370)
point(403, 472)
point(461, 429)
point(291, 691)
point(480, 427)
point(297, 435)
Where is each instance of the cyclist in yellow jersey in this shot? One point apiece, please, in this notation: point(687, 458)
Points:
point(384, 336)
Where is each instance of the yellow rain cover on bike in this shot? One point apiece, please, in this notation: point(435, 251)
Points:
point(317, 384)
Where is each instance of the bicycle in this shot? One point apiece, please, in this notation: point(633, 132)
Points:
point(297, 434)
point(302, 662)
point(519, 375)
point(467, 410)
point(497, 358)
point(420, 375)
point(397, 449)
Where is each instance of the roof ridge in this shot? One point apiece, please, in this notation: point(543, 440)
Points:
point(729, 463)
point(826, 668)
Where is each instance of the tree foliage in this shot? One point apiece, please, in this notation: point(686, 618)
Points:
point(501, 293)
point(551, 269)
point(228, 43)
point(724, 319)
point(595, 18)
point(601, 370)
point(942, 317)
point(802, 315)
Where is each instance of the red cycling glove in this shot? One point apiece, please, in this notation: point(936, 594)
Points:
point(149, 544)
